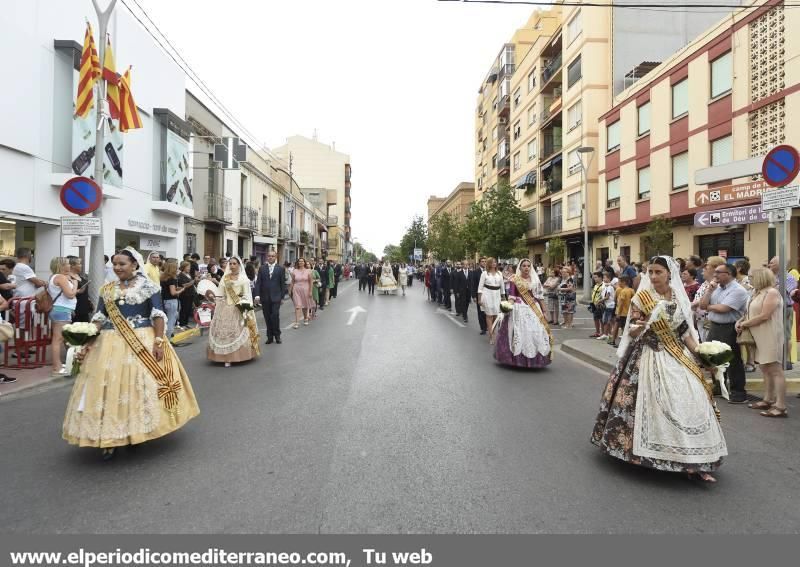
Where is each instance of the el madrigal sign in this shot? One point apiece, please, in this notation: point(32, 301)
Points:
point(730, 193)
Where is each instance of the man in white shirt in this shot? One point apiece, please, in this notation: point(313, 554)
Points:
point(24, 276)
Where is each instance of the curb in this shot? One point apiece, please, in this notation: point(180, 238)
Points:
point(35, 387)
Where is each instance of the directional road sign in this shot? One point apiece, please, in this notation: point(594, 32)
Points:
point(729, 194)
point(81, 195)
point(781, 198)
point(781, 166)
point(726, 217)
point(230, 152)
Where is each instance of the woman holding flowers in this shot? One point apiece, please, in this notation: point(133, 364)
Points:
point(131, 387)
point(524, 339)
point(233, 336)
point(657, 410)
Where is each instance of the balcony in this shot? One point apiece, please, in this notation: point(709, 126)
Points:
point(248, 219)
point(269, 226)
point(503, 166)
point(333, 220)
point(550, 69)
point(550, 147)
point(507, 70)
point(220, 208)
point(504, 106)
point(283, 231)
point(553, 226)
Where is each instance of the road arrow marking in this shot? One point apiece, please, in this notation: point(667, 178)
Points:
point(354, 311)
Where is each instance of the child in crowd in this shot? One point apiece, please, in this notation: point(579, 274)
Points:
point(597, 306)
point(623, 298)
point(608, 298)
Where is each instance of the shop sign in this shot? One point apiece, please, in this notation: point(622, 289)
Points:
point(155, 228)
point(151, 243)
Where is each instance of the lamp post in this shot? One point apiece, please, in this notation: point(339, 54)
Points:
point(589, 151)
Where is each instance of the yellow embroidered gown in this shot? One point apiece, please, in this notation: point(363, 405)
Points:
point(233, 336)
point(115, 399)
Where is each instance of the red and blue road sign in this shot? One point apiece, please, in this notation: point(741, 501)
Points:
point(781, 165)
point(81, 195)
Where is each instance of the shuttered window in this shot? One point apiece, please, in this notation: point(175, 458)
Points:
point(612, 192)
point(612, 133)
point(680, 170)
point(680, 98)
point(721, 75)
point(574, 72)
point(644, 182)
point(722, 151)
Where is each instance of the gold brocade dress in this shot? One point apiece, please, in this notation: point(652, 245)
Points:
point(116, 399)
point(233, 336)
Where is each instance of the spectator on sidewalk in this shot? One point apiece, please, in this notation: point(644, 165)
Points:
point(24, 276)
point(608, 297)
point(84, 307)
point(701, 317)
point(63, 288)
point(623, 297)
point(596, 305)
point(788, 309)
point(689, 278)
point(7, 285)
point(152, 268)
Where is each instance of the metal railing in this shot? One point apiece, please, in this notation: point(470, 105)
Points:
point(248, 218)
point(504, 104)
point(503, 163)
point(507, 69)
point(552, 226)
point(551, 69)
point(220, 207)
point(550, 147)
point(269, 226)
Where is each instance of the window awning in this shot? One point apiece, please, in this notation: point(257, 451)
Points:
point(555, 161)
point(528, 181)
point(322, 227)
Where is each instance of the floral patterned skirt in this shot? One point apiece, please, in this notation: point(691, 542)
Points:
point(229, 338)
point(114, 400)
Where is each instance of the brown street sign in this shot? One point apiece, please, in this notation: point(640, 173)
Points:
point(730, 194)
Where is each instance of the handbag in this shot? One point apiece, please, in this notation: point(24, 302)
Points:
point(746, 338)
point(6, 331)
point(44, 302)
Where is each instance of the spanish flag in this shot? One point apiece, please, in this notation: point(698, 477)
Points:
point(129, 115)
point(112, 81)
point(89, 74)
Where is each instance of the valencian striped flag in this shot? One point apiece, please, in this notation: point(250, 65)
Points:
point(112, 81)
point(129, 115)
point(89, 74)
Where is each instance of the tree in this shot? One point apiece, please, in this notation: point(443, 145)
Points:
point(446, 239)
point(520, 249)
point(556, 249)
point(416, 234)
point(392, 253)
point(473, 232)
point(496, 222)
point(657, 239)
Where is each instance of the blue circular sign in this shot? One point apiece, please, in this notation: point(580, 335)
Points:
point(81, 195)
point(781, 165)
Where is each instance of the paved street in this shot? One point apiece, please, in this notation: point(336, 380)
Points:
point(400, 422)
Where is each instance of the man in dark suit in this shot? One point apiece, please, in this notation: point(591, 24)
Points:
point(270, 289)
point(361, 274)
point(474, 280)
point(447, 284)
point(373, 274)
point(337, 273)
point(461, 289)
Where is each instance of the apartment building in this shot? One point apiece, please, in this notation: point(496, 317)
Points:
point(457, 203)
point(729, 95)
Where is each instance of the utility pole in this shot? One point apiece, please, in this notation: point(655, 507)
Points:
point(97, 264)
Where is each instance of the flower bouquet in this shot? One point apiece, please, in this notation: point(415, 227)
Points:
point(244, 306)
point(77, 335)
point(506, 306)
point(716, 355)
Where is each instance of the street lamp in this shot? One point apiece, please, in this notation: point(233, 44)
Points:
point(589, 152)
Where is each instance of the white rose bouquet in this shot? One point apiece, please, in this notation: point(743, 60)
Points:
point(506, 306)
point(77, 336)
point(244, 306)
point(716, 355)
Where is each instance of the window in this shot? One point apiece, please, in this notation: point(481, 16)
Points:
point(516, 97)
point(505, 87)
point(516, 161)
point(574, 205)
point(532, 219)
point(494, 161)
point(643, 113)
point(721, 75)
point(191, 243)
point(612, 193)
point(680, 98)
point(722, 151)
point(574, 72)
point(532, 150)
point(555, 217)
point(494, 104)
point(574, 28)
point(532, 115)
point(574, 116)
point(644, 182)
point(680, 170)
point(612, 135)
point(532, 80)
point(574, 162)
point(517, 130)
point(484, 171)
point(494, 133)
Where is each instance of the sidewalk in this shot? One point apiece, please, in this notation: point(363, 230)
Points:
point(604, 357)
point(27, 379)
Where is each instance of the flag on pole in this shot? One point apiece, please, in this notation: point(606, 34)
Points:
point(129, 115)
point(112, 81)
point(88, 75)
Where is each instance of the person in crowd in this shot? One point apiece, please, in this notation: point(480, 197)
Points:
point(447, 285)
point(656, 410)
point(567, 297)
point(461, 289)
point(690, 285)
point(222, 266)
point(387, 282)
point(83, 307)
point(316, 284)
point(540, 272)
point(203, 267)
point(170, 293)
point(742, 267)
point(271, 288)
point(373, 273)
point(624, 295)
point(410, 271)
point(697, 263)
point(551, 295)
point(233, 336)
point(300, 292)
point(4, 305)
point(131, 387)
point(764, 321)
point(402, 277)
point(194, 265)
point(7, 286)
point(490, 290)
point(337, 275)
point(153, 267)
point(63, 288)
point(474, 281)
point(24, 277)
point(788, 308)
point(427, 278)
point(725, 302)
point(609, 301)
point(524, 339)
point(702, 322)
point(625, 269)
point(330, 281)
point(361, 276)
point(596, 306)
point(186, 297)
point(681, 264)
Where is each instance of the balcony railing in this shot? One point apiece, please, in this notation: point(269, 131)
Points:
point(550, 147)
point(248, 219)
point(550, 185)
point(551, 69)
point(283, 231)
point(269, 226)
point(503, 165)
point(220, 208)
point(333, 220)
point(507, 70)
point(504, 105)
point(553, 226)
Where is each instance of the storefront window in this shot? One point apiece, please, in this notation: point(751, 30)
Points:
point(8, 237)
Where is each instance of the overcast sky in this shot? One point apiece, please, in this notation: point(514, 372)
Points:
point(392, 83)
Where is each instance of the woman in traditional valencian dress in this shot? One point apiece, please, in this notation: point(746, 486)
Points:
point(386, 282)
point(524, 338)
point(233, 336)
point(131, 387)
point(657, 410)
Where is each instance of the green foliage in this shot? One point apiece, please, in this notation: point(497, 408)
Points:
point(556, 250)
point(416, 233)
point(392, 253)
point(445, 238)
point(520, 249)
point(495, 224)
point(657, 239)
